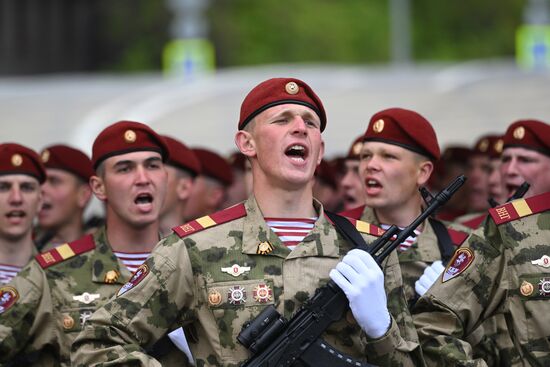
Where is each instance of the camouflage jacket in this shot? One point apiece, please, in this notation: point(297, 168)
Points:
point(57, 292)
point(214, 280)
point(503, 268)
point(415, 259)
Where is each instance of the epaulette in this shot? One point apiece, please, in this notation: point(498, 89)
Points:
point(457, 237)
point(354, 213)
point(475, 222)
point(223, 216)
point(520, 208)
point(365, 227)
point(66, 251)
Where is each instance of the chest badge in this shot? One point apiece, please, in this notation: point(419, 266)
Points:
point(214, 297)
point(84, 316)
point(544, 287)
point(262, 293)
point(526, 288)
point(86, 297)
point(264, 248)
point(544, 261)
point(236, 295)
point(111, 276)
point(236, 270)
point(461, 260)
point(68, 322)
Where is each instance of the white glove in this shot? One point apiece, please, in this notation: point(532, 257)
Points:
point(362, 281)
point(431, 273)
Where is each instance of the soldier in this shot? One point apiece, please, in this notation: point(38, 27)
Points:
point(352, 185)
point(219, 271)
point(21, 174)
point(182, 168)
point(237, 192)
point(53, 296)
point(501, 269)
point(325, 188)
point(210, 189)
point(66, 193)
point(397, 158)
point(496, 187)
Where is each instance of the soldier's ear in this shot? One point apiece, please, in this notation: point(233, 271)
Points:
point(425, 170)
point(245, 142)
point(98, 187)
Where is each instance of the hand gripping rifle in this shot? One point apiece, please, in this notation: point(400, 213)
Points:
point(275, 341)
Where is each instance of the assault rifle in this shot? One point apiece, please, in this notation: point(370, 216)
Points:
point(275, 341)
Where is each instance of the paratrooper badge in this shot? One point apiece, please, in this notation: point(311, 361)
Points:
point(236, 295)
point(8, 297)
point(262, 293)
point(544, 287)
point(214, 297)
point(138, 276)
point(236, 270)
point(84, 316)
point(460, 261)
point(264, 248)
point(544, 261)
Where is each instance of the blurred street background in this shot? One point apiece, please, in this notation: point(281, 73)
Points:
point(68, 68)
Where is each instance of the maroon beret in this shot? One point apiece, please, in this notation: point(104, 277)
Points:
point(404, 128)
point(489, 145)
point(456, 154)
point(17, 159)
point(181, 156)
point(354, 151)
point(214, 166)
point(530, 134)
point(277, 91)
point(68, 159)
point(124, 137)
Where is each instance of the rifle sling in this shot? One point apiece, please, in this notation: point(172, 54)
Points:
point(347, 230)
point(446, 246)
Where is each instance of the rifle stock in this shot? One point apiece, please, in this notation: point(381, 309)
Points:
point(274, 341)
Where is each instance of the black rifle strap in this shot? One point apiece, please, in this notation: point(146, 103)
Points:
point(347, 230)
point(446, 246)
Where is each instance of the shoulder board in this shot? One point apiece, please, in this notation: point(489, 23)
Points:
point(354, 213)
point(224, 216)
point(366, 228)
point(66, 251)
point(520, 208)
point(474, 223)
point(457, 237)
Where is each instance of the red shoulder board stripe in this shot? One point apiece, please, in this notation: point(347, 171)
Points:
point(474, 222)
point(458, 237)
point(520, 208)
point(354, 213)
point(65, 251)
point(365, 227)
point(224, 216)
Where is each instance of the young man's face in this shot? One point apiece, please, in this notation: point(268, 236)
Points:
point(288, 146)
point(352, 185)
point(391, 175)
point(64, 196)
point(497, 191)
point(479, 168)
point(20, 200)
point(521, 164)
point(133, 185)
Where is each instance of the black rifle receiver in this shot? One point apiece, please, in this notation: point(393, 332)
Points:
point(274, 341)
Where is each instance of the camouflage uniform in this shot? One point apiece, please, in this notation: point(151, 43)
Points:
point(417, 258)
point(508, 274)
point(41, 326)
point(186, 286)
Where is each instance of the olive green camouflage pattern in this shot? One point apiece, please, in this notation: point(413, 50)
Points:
point(41, 326)
point(413, 261)
point(186, 287)
point(506, 276)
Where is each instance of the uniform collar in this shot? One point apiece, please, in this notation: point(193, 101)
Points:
point(321, 241)
point(105, 262)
